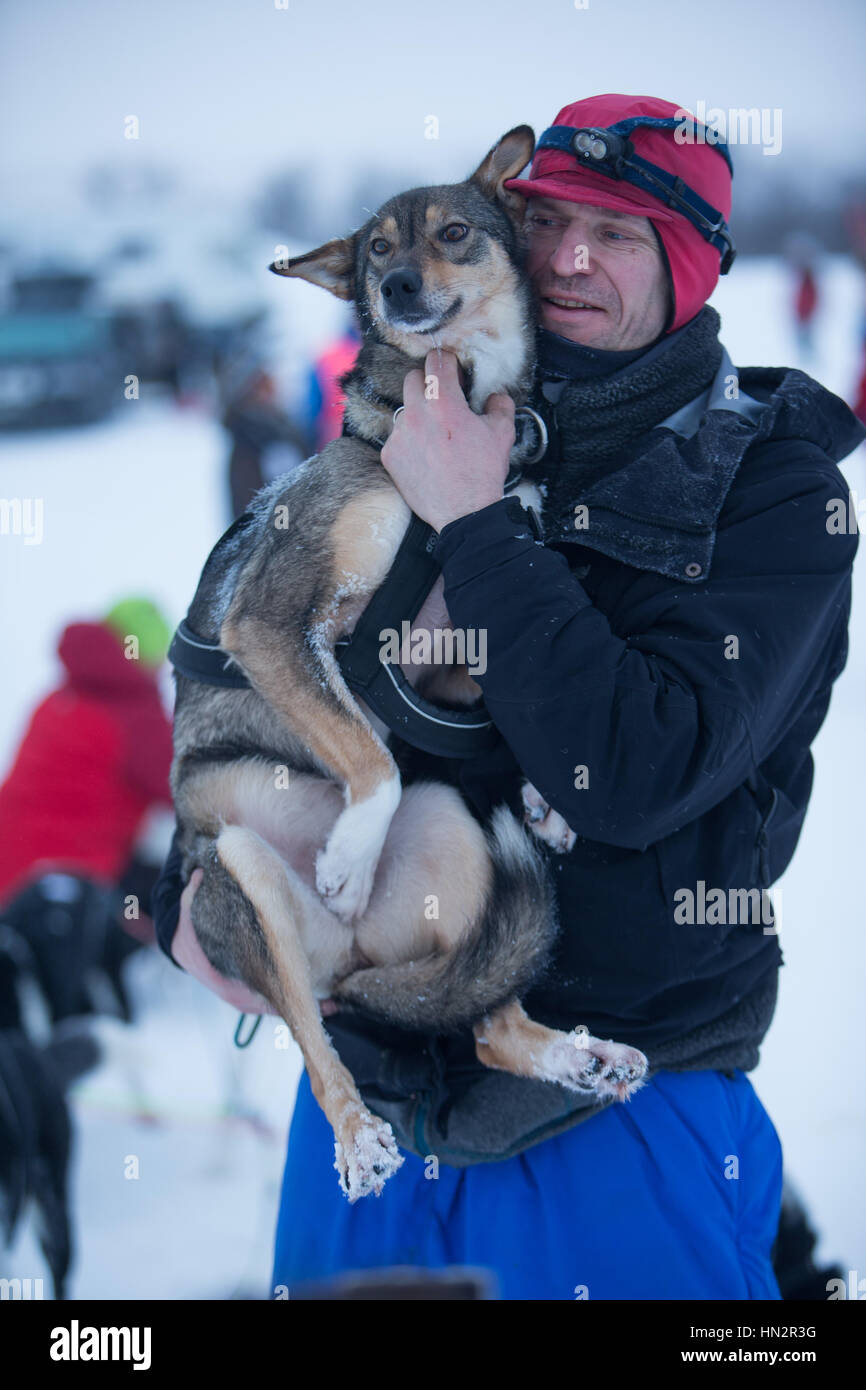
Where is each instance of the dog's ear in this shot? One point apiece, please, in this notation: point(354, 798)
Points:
point(332, 266)
point(508, 157)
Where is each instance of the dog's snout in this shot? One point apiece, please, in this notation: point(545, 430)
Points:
point(400, 289)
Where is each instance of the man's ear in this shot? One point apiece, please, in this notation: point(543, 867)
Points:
point(332, 266)
point(508, 157)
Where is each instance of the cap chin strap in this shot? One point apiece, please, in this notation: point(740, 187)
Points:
point(618, 160)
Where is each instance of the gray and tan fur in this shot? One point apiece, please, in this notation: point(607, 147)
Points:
point(317, 871)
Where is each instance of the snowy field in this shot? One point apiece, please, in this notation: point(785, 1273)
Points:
point(134, 504)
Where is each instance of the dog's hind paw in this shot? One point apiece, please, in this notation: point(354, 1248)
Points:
point(544, 823)
point(370, 1157)
point(584, 1063)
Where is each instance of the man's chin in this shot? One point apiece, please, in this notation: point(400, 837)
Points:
point(588, 327)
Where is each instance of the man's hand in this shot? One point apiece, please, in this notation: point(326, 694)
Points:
point(445, 460)
point(187, 951)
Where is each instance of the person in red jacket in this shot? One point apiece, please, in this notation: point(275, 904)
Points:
point(325, 403)
point(803, 254)
point(93, 761)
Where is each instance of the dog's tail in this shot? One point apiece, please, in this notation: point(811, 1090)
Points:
point(498, 959)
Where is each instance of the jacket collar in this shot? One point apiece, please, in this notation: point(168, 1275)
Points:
point(659, 511)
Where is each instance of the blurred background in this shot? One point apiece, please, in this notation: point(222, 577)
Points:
point(153, 374)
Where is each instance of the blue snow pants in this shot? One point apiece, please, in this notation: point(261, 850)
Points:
point(673, 1195)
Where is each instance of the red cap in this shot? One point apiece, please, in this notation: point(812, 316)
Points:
point(694, 263)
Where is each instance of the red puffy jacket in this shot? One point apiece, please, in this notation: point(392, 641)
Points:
point(95, 757)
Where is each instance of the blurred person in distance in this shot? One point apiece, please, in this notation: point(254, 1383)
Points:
point(855, 221)
point(324, 397)
point(803, 254)
point(265, 441)
point(93, 762)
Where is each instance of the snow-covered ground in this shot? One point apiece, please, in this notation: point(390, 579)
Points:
point(134, 504)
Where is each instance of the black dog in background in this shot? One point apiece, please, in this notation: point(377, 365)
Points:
point(61, 938)
point(35, 1136)
point(62, 951)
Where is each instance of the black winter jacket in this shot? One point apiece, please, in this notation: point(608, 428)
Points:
point(658, 669)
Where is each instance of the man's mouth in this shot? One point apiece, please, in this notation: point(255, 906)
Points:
point(581, 305)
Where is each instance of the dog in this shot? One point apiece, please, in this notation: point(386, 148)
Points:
point(36, 1136)
point(318, 872)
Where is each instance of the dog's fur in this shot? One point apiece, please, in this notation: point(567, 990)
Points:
point(318, 875)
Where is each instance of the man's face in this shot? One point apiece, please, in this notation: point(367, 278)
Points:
point(599, 274)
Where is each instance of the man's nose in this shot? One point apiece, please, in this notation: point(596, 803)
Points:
point(400, 289)
point(571, 257)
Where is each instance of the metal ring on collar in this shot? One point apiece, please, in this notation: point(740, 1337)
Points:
point(541, 427)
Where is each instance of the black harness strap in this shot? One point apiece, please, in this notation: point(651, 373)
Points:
point(194, 656)
point(204, 661)
point(447, 733)
point(384, 688)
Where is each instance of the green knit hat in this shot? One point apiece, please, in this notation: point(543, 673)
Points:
point(139, 617)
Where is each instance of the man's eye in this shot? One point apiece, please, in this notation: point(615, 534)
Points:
point(379, 246)
point(541, 223)
point(620, 236)
point(455, 231)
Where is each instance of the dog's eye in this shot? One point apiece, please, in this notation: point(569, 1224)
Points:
point(455, 231)
point(379, 246)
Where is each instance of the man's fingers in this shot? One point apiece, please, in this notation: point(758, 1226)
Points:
point(500, 406)
point(194, 880)
point(413, 388)
point(500, 411)
point(440, 379)
point(441, 362)
point(442, 366)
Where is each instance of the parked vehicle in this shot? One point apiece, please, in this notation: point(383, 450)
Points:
point(58, 360)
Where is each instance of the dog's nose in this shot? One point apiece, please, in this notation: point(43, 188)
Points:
point(400, 289)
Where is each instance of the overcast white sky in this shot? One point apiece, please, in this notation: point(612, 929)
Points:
point(227, 91)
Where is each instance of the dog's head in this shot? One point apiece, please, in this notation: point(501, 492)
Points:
point(436, 265)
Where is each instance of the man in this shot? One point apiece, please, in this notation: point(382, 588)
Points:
point(657, 669)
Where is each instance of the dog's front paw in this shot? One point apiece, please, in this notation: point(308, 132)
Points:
point(367, 1157)
point(345, 888)
point(548, 825)
point(584, 1063)
point(346, 867)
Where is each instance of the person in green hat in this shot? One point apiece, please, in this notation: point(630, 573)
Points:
point(140, 618)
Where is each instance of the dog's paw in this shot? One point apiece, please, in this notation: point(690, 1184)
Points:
point(367, 1158)
point(346, 867)
point(345, 888)
point(584, 1063)
point(548, 825)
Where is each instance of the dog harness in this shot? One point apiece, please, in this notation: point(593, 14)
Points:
point(442, 731)
point(445, 732)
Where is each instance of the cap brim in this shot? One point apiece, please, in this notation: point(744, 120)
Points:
point(577, 191)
